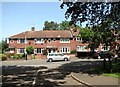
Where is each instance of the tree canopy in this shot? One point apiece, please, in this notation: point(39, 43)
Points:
point(50, 25)
point(30, 50)
point(64, 25)
point(92, 12)
point(100, 17)
point(3, 46)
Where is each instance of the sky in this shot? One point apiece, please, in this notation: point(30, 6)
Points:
point(18, 17)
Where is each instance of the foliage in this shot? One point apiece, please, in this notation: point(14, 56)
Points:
point(50, 25)
point(101, 17)
point(73, 52)
point(33, 56)
point(30, 50)
point(92, 12)
point(64, 25)
point(115, 75)
point(3, 57)
point(87, 34)
point(3, 46)
point(45, 52)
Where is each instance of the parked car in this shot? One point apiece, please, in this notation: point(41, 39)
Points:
point(57, 56)
point(102, 54)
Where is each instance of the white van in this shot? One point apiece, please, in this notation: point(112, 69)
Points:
point(57, 56)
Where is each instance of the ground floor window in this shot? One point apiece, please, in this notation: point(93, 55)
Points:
point(81, 48)
point(104, 48)
point(65, 50)
point(20, 50)
point(12, 50)
point(39, 50)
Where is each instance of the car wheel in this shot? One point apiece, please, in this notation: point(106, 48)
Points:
point(66, 59)
point(50, 60)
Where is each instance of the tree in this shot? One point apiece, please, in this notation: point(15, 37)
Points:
point(101, 17)
point(30, 50)
point(3, 46)
point(50, 25)
point(91, 37)
point(64, 25)
point(92, 12)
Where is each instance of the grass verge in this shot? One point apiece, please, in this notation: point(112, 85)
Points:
point(115, 75)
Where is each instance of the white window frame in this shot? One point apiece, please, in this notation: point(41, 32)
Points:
point(19, 52)
point(36, 51)
point(106, 48)
point(49, 40)
point(65, 49)
point(79, 39)
point(81, 48)
point(8, 41)
point(39, 40)
point(12, 50)
point(64, 40)
point(11, 41)
point(19, 41)
point(54, 39)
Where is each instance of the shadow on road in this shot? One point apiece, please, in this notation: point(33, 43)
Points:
point(23, 76)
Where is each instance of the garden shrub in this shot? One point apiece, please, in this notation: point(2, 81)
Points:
point(3, 57)
point(33, 56)
point(73, 52)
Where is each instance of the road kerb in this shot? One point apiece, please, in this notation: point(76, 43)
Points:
point(80, 81)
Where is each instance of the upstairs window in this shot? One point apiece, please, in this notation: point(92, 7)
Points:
point(49, 40)
point(78, 39)
point(22, 41)
point(54, 39)
point(39, 41)
point(64, 40)
point(11, 41)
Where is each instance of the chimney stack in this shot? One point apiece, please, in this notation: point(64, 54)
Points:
point(32, 28)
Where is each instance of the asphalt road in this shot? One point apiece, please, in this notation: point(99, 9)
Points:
point(22, 72)
point(42, 62)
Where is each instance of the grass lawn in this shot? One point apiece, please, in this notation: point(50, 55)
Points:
point(115, 75)
point(115, 66)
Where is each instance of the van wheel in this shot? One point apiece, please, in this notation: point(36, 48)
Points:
point(50, 60)
point(66, 59)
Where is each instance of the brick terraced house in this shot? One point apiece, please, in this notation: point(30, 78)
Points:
point(63, 41)
point(50, 40)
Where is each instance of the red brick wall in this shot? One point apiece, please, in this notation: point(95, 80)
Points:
point(57, 43)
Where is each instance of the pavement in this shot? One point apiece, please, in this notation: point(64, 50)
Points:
point(96, 80)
